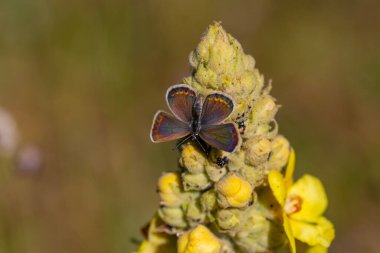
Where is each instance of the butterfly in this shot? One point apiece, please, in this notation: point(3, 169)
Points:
point(196, 121)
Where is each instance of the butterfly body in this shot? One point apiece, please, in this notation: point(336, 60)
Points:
point(196, 120)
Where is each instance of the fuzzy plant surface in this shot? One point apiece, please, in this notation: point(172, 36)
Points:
point(245, 201)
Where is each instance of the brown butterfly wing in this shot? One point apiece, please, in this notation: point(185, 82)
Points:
point(166, 127)
point(180, 99)
point(216, 108)
point(224, 136)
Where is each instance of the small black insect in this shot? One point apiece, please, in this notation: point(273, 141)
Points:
point(240, 120)
point(241, 125)
point(221, 161)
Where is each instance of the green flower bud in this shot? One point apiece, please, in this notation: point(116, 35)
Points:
point(228, 219)
point(219, 63)
point(236, 162)
point(195, 182)
point(257, 233)
point(254, 175)
point(257, 150)
point(173, 216)
point(215, 173)
point(194, 214)
point(208, 201)
point(264, 109)
point(192, 159)
point(280, 153)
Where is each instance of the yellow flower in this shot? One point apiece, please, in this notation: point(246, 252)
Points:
point(157, 242)
point(233, 191)
point(303, 204)
point(198, 240)
point(169, 189)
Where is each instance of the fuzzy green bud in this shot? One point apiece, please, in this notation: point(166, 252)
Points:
point(280, 153)
point(173, 216)
point(264, 109)
point(214, 172)
point(258, 150)
point(195, 182)
point(208, 201)
point(192, 159)
point(257, 233)
point(194, 214)
point(254, 175)
point(219, 63)
point(228, 219)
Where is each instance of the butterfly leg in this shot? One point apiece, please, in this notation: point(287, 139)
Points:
point(202, 145)
point(182, 141)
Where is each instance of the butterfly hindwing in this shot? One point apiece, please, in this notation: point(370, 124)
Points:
point(166, 127)
point(224, 136)
point(216, 108)
point(180, 99)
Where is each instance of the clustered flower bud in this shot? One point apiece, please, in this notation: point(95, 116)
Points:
point(233, 191)
point(199, 239)
point(223, 202)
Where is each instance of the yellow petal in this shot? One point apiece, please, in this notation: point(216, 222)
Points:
point(313, 195)
point(290, 169)
point(277, 185)
point(316, 249)
point(157, 242)
point(198, 240)
point(289, 233)
point(320, 233)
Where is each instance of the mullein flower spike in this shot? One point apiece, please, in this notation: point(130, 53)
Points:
point(244, 201)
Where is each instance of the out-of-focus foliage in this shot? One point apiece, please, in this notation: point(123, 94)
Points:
point(82, 80)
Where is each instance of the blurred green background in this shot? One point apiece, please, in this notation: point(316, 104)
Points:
point(82, 79)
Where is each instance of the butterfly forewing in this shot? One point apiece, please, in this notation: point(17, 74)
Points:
point(223, 136)
point(180, 100)
point(166, 127)
point(216, 108)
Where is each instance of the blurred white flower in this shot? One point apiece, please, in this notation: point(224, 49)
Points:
point(9, 135)
point(29, 158)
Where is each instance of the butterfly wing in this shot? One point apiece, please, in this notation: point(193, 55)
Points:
point(180, 99)
point(166, 127)
point(216, 108)
point(224, 136)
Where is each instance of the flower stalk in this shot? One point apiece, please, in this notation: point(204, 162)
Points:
point(245, 201)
